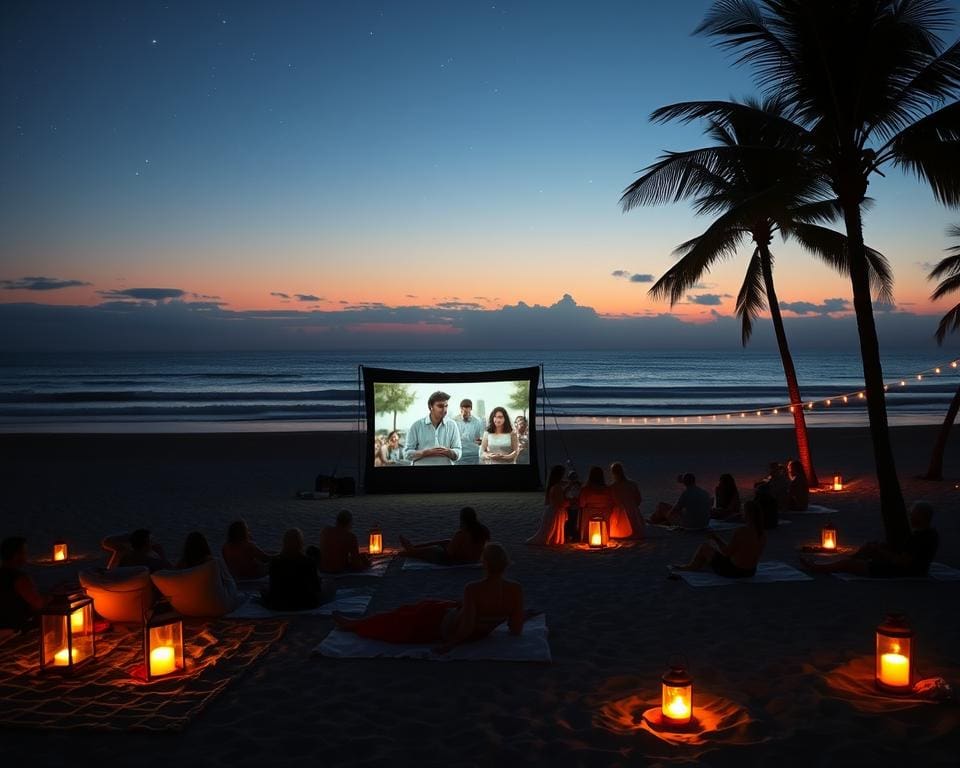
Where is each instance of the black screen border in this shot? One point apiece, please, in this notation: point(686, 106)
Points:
point(517, 477)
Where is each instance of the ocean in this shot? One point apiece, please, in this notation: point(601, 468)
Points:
point(189, 391)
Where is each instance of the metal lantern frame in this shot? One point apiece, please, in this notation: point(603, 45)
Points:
point(162, 628)
point(598, 533)
point(375, 541)
point(67, 636)
point(676, 683)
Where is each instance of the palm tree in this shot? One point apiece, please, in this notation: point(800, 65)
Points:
point(868, 82)
point(949, 270)
point(755, 177)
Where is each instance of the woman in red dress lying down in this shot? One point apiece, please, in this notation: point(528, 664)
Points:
point(485, 605)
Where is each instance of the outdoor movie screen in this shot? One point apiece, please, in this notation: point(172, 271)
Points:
point(451, 424)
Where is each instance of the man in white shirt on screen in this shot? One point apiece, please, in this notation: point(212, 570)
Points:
point(434, 439)
point(471, 433)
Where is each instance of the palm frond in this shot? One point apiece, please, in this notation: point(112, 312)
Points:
point(948, 323)
point(931, 149)
point(751, 299)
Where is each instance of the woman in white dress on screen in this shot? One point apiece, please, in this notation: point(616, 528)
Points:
point(499, 444)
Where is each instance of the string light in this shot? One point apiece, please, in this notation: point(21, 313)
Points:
point(775, 411)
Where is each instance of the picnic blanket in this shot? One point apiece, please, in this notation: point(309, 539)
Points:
point(412, 564)
point(937, 572)
point(378, 567)
point(500, 645)
point(352, 601)
point(109, 693)
point(767, 572)
point(812, 509)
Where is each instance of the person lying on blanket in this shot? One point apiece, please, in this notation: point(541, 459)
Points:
point(737, 559)
point(466, 546)
point(339, 550)
point(484, 606)
point(879, 560)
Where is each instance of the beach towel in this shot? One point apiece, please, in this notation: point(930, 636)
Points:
point(812, 509)
point(766, 573)
point(500, 645)
point(351, 601)
point(377, 569)
point(412, 564)
point(937, 572)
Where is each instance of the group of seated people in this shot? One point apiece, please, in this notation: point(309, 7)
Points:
point(569, 506)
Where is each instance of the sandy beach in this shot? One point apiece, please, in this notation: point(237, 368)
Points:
point(767, 650)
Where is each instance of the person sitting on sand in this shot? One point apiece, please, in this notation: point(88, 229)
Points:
point(339, 549)
point(726, 500)
point(798, 490)
point(626, 522)
point(137, 548)
point(551, 531)
point(692, 510)
point(484, 606)
point(244, 559)
point(466, 546)
point(595, 501)
point(19, 598)
point(879, 560)
point(295, 584)
point(778, 486)
point(737, 559)
point(196, 552)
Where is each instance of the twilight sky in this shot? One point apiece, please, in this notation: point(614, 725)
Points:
point(337, 174)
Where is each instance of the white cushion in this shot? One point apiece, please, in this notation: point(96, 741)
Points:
point(198, 591)
point(120, 594)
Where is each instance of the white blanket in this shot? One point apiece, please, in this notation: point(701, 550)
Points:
point(352, 601)
point(412, 564)
point(500, 645)
point(378, 568)
point(813, 509)
point(938, 572)
point(766, 573)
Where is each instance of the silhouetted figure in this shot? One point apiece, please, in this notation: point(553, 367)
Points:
point(295, 584)
point(737, 558)
point(339, 549)
point(466, 546)
point(19, 598)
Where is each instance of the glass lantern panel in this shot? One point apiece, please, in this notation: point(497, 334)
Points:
point(893, 661)
point(677, 702)
point(166, 649)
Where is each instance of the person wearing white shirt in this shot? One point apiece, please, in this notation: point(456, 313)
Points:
point(471, 433)
point(435, 439)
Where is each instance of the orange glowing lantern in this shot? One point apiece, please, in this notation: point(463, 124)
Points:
point(828, 537)
point(677, 695)
point(60, 551)
point(162, 642)
point(67, 639)
point(597, 532)
point(894, 655)
point(838, 482)
point(376, 541)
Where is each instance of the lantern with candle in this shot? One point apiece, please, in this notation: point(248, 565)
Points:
point(162, 642)
point(59, 551)
point(597, 532)
point(376, 541)
point(838, 482)
point(828, 537)
point(894, 654)
point(676, 704)
point(67, 639)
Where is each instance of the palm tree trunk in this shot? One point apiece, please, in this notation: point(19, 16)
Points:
point(793, 387)
point(892, 507)
point(935, 470)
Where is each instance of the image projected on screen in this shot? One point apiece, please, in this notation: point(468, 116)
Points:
point(451, 424)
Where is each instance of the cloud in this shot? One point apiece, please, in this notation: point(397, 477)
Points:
point(207, 298)
point(706, 299)
point(280, 295)
point(564, 325)
point(808, 308)
point(623, 274)
point(307, 297)
point(459, 305)
point(145, 294)
point(40, 284)
point(884, 306)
